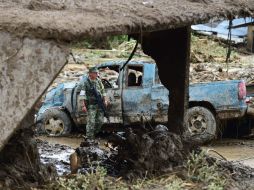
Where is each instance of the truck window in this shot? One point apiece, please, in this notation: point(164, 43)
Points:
point(110, 76)
point(135, 75)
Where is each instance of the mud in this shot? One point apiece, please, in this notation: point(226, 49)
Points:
point(158, 155)
point(57, 154)
point(71, 141)
point(234, 150)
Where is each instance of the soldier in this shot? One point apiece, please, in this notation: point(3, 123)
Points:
point(95, 114)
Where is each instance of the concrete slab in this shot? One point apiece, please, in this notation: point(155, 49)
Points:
point(27, 67)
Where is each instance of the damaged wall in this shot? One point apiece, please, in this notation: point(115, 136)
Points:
point(27, 66)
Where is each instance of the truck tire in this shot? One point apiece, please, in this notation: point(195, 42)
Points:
point(56, 122)
point(200, 125)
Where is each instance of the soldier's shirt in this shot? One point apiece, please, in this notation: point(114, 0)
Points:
point(87, 92)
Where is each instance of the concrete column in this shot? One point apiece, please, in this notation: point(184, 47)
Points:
point(250, 38)
point(171, 50)
point(27, 67)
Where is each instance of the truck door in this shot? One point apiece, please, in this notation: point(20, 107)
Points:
point(112, 82)
point(137, 93)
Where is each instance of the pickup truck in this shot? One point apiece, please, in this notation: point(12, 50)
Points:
point(137, 96)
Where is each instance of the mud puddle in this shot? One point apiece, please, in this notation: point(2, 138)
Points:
point(57, 151)
point(234, 150)
point(72, 142)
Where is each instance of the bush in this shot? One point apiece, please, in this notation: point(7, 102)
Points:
point(199, 170)
point(92, 180)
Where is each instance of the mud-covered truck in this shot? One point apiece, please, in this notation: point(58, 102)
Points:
point(137, 96)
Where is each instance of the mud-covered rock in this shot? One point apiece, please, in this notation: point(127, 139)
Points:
point(91, 153)
point(154, 151)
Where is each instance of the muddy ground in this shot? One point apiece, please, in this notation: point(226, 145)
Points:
point(58, 149)
point(237, 151)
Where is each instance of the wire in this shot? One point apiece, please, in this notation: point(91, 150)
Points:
point(131, 56)
point(212, 150)
point(229, 43)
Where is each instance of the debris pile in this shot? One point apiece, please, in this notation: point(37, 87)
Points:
point(138, 152)
point(154, 151)
point(208, 72)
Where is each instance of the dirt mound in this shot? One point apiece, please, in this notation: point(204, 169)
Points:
point(156, 151)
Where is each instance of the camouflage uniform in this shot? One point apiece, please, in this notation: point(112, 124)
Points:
point(95, 113)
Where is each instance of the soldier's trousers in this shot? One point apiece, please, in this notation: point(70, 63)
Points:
point(94, 121)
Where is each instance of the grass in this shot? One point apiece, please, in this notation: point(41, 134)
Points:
point(205, 49)
point(98, 180)
point(92, 180)
point(199, 170)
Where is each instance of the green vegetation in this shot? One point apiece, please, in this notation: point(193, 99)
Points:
point(206, 49)
point(203, 49)
point(92, 180)
point(199, 170)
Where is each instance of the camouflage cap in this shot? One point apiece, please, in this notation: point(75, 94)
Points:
point(93, 70)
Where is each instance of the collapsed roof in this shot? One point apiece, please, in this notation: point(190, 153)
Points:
point(77, 19)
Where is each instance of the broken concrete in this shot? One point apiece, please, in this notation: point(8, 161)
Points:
point(27, 66)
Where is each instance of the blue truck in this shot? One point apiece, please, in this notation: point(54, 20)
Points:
point(137, 96)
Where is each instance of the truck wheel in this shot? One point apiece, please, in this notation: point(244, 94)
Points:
point(200, 125)
point(56, 122)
